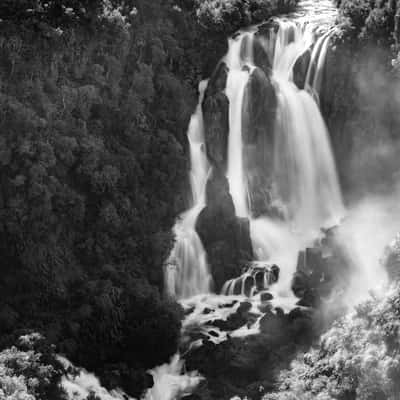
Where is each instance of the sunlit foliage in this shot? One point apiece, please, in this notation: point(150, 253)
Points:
point(358, 358)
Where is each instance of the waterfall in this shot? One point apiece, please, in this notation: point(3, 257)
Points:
point(304, 171)
point(186, 270)
point(238, 60)
point(301, 164)
point(304, 166)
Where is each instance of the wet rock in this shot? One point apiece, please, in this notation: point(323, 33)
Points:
point(274, 325)
point(266, 296)
point(248, 285)
point(244, 307)
point(259, 112)
point(216, 117)
point(263, 53)
point(225, 237)
point(275, 273)
point(320, 270)
point(260, 108)
point(228, 305)
point(264, 45)
point(300, 69)
point(298, 313)
point(265, 308)
point(188, 311)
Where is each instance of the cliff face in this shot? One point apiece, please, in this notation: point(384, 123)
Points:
point(359, 97)
point(360, 103)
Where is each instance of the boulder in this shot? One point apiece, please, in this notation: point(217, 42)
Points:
point(320, 270)
point(266, 296)
point(225, 237)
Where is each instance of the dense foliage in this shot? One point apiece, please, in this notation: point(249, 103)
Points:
point(225, 14)
point(95, 98)
point(369, 20)
point(29, 370)
point(358, 358)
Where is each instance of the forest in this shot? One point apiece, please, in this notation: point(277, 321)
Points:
point(95, 101)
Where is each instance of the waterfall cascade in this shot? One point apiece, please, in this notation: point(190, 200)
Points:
point(240, 54)
point(303, 173)
point(186, 271)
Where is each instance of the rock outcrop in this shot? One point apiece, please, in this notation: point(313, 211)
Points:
point(216, 117)
point(320, 269)
point(300, 69)
point(225, 237)
point(259, 112)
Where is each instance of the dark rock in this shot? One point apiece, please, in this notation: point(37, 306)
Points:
point(218, 198)
point(264, 45)
point(228, 305)
point(265, 308)
point(225, 237)
point(310, 298)
point(213, 333)
point(266, 296)
point(279, 311)
point(207, 310)
point(248, 285)
point(298, 313)
point(300, 69)
point(262, 56)
point(216, 117)
point(189, 311)
point(259, 280)
point(244, 307)
point(274, 325)
point(275, 272)
point(237, 286)
point(259, 112)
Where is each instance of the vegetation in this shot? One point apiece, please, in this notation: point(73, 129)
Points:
point(358, 358)
point(95, 98)
point(30, 370)
point(368, 20)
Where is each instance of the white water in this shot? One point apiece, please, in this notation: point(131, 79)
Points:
point(170, 382)
point(240, 54)
point(304, 168)
point(305, 179)
point(186, 271)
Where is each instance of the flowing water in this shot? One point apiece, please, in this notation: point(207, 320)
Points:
point(304, 180)
point(239, 55)
point(186, 271)
point(305, 184)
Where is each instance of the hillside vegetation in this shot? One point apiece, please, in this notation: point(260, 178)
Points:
point(95, 98)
